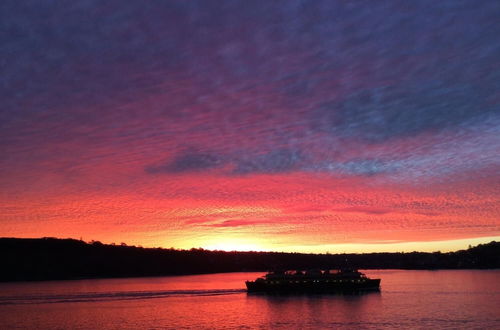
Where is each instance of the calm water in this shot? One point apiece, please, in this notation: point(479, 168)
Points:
point(408, 299)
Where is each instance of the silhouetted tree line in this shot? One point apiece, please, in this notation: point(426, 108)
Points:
point(51, 258)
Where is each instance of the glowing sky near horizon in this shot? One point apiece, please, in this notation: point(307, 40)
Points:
point(307, 126)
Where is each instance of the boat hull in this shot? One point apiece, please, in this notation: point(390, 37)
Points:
point(313, 286)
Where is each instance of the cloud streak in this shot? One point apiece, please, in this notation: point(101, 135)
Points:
point(379, 114)
point(187, 162)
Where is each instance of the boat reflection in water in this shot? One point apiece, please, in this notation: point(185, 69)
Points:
point(314, 281)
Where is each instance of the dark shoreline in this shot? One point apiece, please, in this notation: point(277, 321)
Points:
point(43, 259)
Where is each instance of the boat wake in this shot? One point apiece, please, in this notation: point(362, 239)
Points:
point(111, 296)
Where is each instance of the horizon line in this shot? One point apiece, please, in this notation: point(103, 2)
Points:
point(477, 242)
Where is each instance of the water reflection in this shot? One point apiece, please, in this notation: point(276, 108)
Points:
point(408, 299)
point(357, 293)
point(303, 310)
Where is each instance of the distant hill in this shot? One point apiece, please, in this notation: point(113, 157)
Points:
point(51, 258)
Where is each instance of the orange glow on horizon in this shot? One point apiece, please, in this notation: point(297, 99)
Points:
point(294, 212)
point(232, 245)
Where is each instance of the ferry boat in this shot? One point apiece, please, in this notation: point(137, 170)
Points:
point(319, 281)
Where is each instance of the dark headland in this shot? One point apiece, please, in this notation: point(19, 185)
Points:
point(51, 259)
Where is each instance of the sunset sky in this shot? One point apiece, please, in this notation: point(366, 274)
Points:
point(312, 126)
